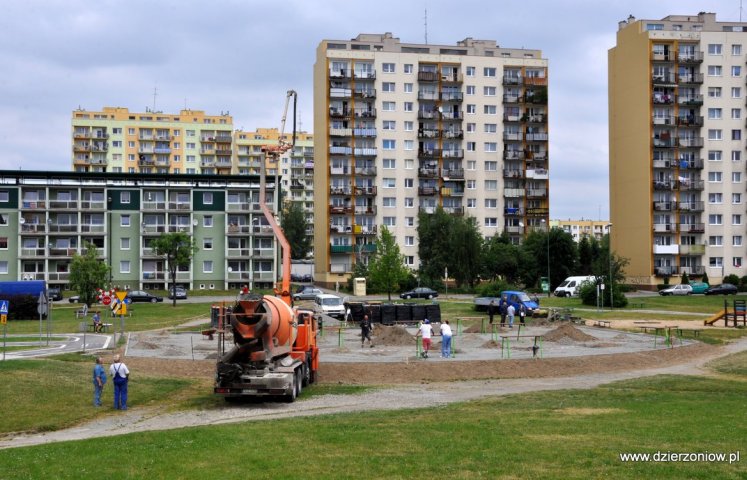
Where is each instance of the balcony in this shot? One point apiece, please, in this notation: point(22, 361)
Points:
point(33, 252)
point(265, 253)
point(340, 150)
point(364, 132)
point(513, 136)
point(537, 174)
point(337, 92)
point(364, 152)
point(432, 96)
point(663, 163)
point(155, 275)
point(691, 142)
point(664, 79)
point(454, 153)
point(666, 249)
point(696, 270)
point(690, 121)
point(663, 99)
point(33, 227)
point(692, 228)
point(365, 112)
point(453, 134)
point(341, 73)
point(154, 205)
point(238, 275)
point(538, 211)
point(690, 57)
point(452, 173)
point(341, 190)
point(365, 171)
point(153, 228)
point(63, 228)
point(537, 193)
point(692, 250)
point(535, 81)
point(663, 227)
point(511, 80)
point(63, 204)
point(240, 229)
point(365, 92)
point(512, 211)
point(534, 118)
point(690, 185)
point(365, 74)
point(536, 137)
point(664, 185)
point(665, 142)
point(456, 211)
point(365, 190)
point(513, 155)
point(424, 172)
point(508, 98)
point(427, 191)
point(451, 96)
point(428, 77)
point(664, 206)
point(691, 206)
point(340, 209)
point(454, 115)
point(433, 153)
point(452, 192)
point(514, 193)
point(665, 271)
point(339, 112)
point(92, 228)
point(690, 100)
point(663, 120)
point(690, 79)
point(429, 133)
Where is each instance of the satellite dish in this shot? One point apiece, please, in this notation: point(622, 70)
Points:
point(21, 220)
point(440, 109)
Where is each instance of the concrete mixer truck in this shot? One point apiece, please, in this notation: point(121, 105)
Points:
point(274, 348)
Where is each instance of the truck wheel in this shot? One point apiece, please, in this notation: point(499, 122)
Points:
point(291, 397)
point(306, 374)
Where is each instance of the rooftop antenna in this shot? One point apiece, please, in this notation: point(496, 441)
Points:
point(155, 94)
point(426, 26)
point(740, 10)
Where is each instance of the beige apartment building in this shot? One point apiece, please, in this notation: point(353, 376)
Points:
point(404, 128)
point(580, 229)
point(116, 140)
point(677, 166)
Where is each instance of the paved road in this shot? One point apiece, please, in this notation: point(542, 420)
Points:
point(71, 343)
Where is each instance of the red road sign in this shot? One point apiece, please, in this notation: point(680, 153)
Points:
point(106, 300)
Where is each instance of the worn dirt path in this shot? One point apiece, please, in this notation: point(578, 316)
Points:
point(421, 395)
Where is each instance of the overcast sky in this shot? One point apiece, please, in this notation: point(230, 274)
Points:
point(242, 55)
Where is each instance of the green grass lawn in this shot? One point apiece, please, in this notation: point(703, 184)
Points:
point(572, 434)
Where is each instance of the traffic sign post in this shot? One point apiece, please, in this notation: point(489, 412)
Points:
point(4, 320)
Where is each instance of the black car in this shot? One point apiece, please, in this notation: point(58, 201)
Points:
point(420, 292)
point(723, 289)
point(143, 296)
point(54, 293)
point(181, 293)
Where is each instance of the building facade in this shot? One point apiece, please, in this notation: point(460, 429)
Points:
point(408, 128)
point(119, 141)
point(47, 217)
point(580, 229)
point(677, 167)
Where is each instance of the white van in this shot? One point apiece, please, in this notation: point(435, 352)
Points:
point(331, 305)
point(569, 286)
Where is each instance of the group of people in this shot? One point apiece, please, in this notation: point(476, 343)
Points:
point(507, 311)
point(425, 331)
point(120, 376)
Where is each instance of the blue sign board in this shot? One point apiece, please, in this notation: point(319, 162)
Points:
point(3, 307)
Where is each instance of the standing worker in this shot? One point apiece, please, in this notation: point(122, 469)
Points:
point(491, 310)
point(426, 331)
point(99, 380)
point(445, 339)
point(511, 312)
point(366, 329)
point(522, 314)
point(120, 375)
point(503, 309)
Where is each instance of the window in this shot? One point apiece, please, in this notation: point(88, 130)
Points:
point(714, 155)
point(736, 134)
point(714, 177)
point(736, 177)
point(736, 219)
point(3, 218)
point(191, 145)
point(471, 165)
point(714, 92)
point(207, 266)
point(491, 166)
point(207, 243)
point(736, 240)
point(409, 183)
point(490, 109)
point(124, 266)
point(409, 163)
point(471, 184)
point(190, 133)
point(491, 203)
point(470, 89)
point(390, 144)
point(470, 71)
point(491, 185)
point(736, 156)
point(715, 262)
point(471, 203)
point(736, 49)
point(736, 198)
point(408, 67)
point(408, 87)
point(4, 196)
point(488, 72)
point(389, 183)
point(409, 144)
point(409, 202)
point(389, 106)
point(714, 113)
point(409, 241)
point(390, 163)
point(491, 128)
point(4, 266)
point(714, 71)
point(3, 243)
point(491, 147)
point(390, 221)
point(387, 86)
point(409, 260)
point(471, 146)
point(410, 221)
point(117, 143)
point(715, 219)
point(471, 109)
point(736, 71)
point(388, 68)
point(409, 125)
point(390, 202)
point(715, 240)
point(207, 198)
point(715, 198)
point(714, 134)
point(471, 127)
point(124, 221)
point(736, 113)
point(714, 49)
point(491, 222)
point(124, 243)
point(654, 26)
point(408, 106)
point(736, 262)
point(389, 125)
point(124, 197)
point(488, 91)
point(736, 92)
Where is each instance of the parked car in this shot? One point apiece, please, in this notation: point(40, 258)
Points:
point(306, 293)
point(181, 293)
point(331, 305)
point(683, 289)
point(699, 287)
point(517, 298)
point(420, 292)
point(54, 293)
point(569, 287)
point(143, 296)
point(76, 299)
point(723, 289)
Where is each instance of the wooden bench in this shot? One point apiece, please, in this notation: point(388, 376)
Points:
point(647, 328)
point(637, 305)
point(536, 346)
point(603, 323)
point(695, 331)
point(104, 327)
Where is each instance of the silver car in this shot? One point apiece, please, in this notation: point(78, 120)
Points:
point(677, 290)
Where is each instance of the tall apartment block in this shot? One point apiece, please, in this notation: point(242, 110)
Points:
point(117, 140)
point(405, 128)
point(47, 217)
point(580, 229)
point(677, 166)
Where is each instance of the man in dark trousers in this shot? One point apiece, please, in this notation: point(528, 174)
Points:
point(491, 310)
point(366, 329)
point(503, 310)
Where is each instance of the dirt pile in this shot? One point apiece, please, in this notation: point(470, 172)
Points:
point(395, 335)
point(567, 331)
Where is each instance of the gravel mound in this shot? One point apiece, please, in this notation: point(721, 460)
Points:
point(567, 332)
point(395, 335)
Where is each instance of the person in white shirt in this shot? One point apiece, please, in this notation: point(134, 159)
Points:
point(121, 375)
point(445, 339)
point(425, 331)
point(511, 313)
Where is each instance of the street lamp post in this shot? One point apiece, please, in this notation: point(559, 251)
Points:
point(609, 253)
point(547, 230)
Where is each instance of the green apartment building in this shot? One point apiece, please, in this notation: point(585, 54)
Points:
point(47, 217)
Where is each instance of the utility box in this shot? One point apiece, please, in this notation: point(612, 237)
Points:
point(359, 287)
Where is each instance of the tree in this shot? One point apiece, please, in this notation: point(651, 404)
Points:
point(88, 273)
point(386, 267)
point(295, 227)
point(704, 278)
point(585, 256)
point(562, 260)
point(177, 248)
point(685, 280)
point(466, 252)
point(500, 259)
point(434, 245)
